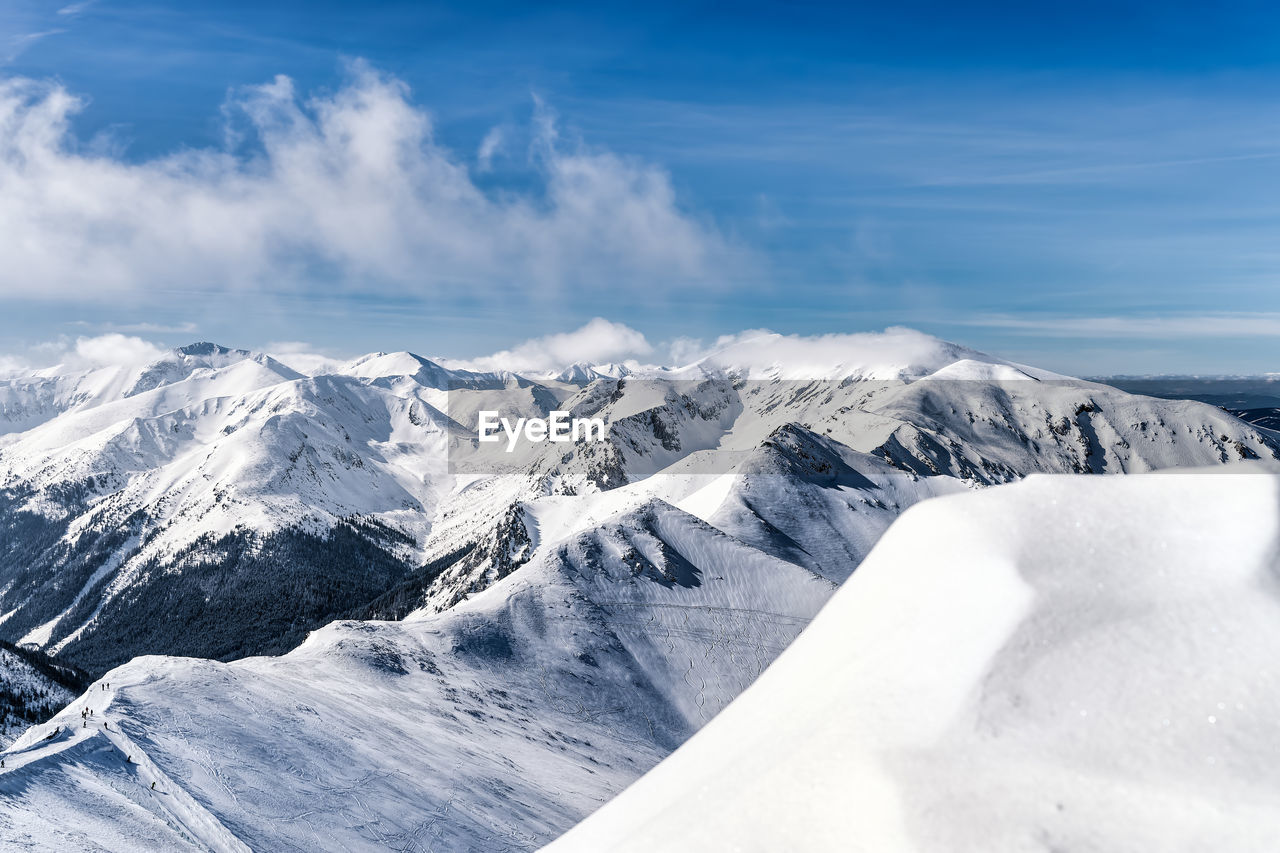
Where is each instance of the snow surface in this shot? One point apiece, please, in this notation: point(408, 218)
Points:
point(494, 725)
point(1067, 663)
point(590, 606)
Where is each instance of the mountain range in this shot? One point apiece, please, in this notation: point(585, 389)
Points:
point(321, 614)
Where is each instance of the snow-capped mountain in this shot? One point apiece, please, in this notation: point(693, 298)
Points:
point(571, 612)
point(1067, 663)
point(28, 400)
point(218, 503)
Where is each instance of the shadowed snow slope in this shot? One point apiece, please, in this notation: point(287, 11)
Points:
point(1068, 663)
point(32, 689)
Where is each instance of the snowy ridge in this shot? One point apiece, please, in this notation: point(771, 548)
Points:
point(211, 460)
point(494, 725)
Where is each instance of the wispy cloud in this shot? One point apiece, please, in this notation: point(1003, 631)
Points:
point(1222, 325)
point(349, 191)
point(184, 328)
point(73, 9)
point(489, 146)
point(16, 45)
point(1092, 171)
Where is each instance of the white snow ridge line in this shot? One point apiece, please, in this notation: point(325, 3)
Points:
point(99, 743)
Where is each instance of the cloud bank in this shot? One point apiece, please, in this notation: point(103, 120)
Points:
point(892, 353)
point(86, 352)
point(598, 342)
point(347, 191)
point(888, 354)
point(895, 351)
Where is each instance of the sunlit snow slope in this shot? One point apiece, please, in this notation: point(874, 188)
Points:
point(1065, 664)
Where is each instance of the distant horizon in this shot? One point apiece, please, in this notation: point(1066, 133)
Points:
point(598, 343)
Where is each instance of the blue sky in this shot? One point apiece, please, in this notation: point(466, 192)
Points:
point(1088, 187)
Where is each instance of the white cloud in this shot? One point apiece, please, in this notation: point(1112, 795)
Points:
point(303, 357)
point(896, 351)
point(111, 349)
point(889, 354)
point(348, 191)
point(597, 342)
point(11, 365)
point(90, 352)
point(86, 352)
point(686, 351)
point(489, 146)
point(73, 9)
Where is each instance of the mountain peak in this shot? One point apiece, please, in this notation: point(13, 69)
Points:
point(204, 348)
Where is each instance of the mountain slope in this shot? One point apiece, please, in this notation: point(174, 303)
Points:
point(956, 426)
point(222, 490)
point(1067, 663)
point(32, 689)
point(27, 401)
point(495, 725)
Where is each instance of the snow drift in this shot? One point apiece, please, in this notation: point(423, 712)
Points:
point(1069, 663)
